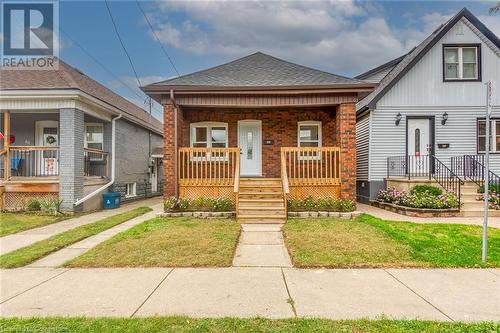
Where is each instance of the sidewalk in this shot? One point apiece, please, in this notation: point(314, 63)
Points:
point(15, 241)
point(434, 294)
point(493, 222)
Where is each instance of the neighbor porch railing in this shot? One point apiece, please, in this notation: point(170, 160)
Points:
point(310, 166)
point(208, 166)
point(95, 163)
point(30, 161)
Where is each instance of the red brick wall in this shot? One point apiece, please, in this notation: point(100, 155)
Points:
point(277, 125)
point(170, 156)
point(346, 138)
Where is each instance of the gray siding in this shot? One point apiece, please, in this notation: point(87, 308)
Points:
point(134, 145)
point(362, 147)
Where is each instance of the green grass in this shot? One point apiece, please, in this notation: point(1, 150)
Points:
point(371, 242)
point(29, 254)
point(172, 242)
point(11, 223)
point(184, 324)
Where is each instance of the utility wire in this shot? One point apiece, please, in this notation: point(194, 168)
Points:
point(121, 42)
point(157, 38)
point(116, 77)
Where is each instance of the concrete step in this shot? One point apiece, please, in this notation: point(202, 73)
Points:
point(479, 213)
point(472, 205)
point(261, 219)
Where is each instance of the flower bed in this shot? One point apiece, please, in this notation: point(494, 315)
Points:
point(174, 205)
point(329, 204)
point(421, 196)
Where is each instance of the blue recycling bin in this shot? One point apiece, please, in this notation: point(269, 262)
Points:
point(111, 200)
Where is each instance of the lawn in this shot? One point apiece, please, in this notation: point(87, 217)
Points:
point(172, 242)
point(11, 223)
point(29, 254)
point(371, 242)
point(184, 324)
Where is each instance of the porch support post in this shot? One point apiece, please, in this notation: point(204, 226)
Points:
point(172, 120)
point(71, 160)
point(345, 123)
point(6, 144)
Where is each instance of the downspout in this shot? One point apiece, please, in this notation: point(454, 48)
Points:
point(112, 180)
point(176, 189)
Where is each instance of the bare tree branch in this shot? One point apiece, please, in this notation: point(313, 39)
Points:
point(495, 9)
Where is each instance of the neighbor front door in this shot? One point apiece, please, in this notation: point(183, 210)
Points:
point(47, 135)
point(419, 146)
point(250, 143)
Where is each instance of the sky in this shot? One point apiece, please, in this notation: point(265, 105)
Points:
point(342, 37)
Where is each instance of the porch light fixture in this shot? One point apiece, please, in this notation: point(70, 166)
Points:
point(398, 118)
point(444, 118)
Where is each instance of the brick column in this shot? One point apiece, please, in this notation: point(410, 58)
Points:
point(345, 124)
point(169, 148)
point(71, 128)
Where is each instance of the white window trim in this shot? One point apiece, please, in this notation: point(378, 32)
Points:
point(134, 190)
point(461, 63)
point(320, 138)
point(208, 125)
point(101, 125)
point(493, 135)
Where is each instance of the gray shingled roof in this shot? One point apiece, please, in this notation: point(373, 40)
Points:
point(369, 102)
point(259, 70)
point(68, 77)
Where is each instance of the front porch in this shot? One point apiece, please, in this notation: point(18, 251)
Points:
point(42, 157)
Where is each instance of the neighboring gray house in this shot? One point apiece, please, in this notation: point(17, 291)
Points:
point(61, 129)
point(428, 111)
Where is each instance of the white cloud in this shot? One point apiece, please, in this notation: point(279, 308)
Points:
point(341, 36)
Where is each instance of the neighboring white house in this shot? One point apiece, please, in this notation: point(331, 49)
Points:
point(430, 102)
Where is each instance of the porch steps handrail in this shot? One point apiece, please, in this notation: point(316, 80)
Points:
point(425, 166)
point(472, 168)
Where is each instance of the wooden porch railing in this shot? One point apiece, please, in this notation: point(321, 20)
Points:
point(310, 166)
point(209, 166)
point(95, 163)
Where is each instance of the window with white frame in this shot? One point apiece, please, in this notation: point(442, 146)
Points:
point(494, 136)
point(94, 136)
point(309, 135)
point(462, 62)
point(208, 135)
point(130, 190)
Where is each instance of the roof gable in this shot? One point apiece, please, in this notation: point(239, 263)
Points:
point(258, 70)
point(411, 59)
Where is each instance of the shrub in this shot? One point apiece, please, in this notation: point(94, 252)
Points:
point(418, 199)
point(420, 189)
point(51, 206)
point(200, 204)
point(34, 206)
point(492, 188)
point(329, 204)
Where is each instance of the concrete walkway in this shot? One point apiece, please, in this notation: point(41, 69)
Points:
point(261, 245)
point(15, 241)
point(434, 294)
point(493, 222)
point(58, 258)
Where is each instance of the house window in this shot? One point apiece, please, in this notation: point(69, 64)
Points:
point(130, 190)
point(94, 137)
point(309, 135)
point(494, 136)
point(462, 63)
point(209, 135)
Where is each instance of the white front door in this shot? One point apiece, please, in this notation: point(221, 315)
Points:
point(418, 145)
point(47, 135)
point(250, 143)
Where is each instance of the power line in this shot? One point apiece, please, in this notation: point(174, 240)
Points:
point(116, 77)
point(157, 38)
point(121, 42)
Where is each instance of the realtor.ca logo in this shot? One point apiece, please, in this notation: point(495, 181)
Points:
point(29, 34)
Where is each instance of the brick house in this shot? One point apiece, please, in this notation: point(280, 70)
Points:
point(61, 129)
point(259, 130)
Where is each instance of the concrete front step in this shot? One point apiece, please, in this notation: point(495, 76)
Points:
point(480, 212)
point(261, 219)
